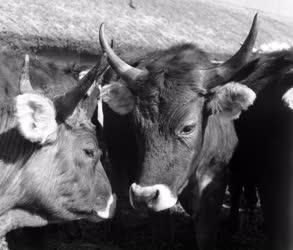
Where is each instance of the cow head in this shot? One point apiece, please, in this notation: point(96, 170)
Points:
point(172, 95)
point(63, 171)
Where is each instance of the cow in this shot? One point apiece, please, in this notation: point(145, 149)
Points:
point(50, 163)
point(181, 109)
point(264, 152)
point(243, 176)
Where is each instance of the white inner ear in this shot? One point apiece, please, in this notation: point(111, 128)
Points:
point(231, 99)
point(36, 118)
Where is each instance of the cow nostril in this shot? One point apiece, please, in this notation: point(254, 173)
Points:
point(156, 195)
point(94, 212)
point(152, 197)
point(143, 197)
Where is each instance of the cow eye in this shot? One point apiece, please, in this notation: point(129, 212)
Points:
point(188, 129)
point(89, 152)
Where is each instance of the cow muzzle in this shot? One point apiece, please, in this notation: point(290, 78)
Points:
point(157, 197)
point(109, 211)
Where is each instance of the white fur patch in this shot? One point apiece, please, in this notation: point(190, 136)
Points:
point(217, 62)
point(105, 214)
point(118, 97)
point(206, 180)
point(36, 118)
point(91, 89)
point(288, 98)
point(164, 201)
point(229, 100)
point(100, 109)
point(83, 73)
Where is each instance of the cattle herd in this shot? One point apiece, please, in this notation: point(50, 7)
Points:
point(174, 126)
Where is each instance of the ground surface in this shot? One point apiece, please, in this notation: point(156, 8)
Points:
point(136, 233)
point(56, 28)
point(74, 24)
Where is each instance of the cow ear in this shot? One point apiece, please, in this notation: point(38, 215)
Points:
point(118, 97)
point(230, 99)
point(35, 115)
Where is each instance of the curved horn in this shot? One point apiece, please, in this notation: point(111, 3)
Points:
point(24, 81)
point(96, 83)
point(236, 62)
point(124, 70)
point(66, 104)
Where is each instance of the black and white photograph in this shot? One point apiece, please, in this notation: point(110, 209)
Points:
point(146, 125)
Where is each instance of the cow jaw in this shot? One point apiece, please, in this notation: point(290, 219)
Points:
point(161, 196)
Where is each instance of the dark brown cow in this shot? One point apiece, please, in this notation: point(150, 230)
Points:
point(50, 168)
point(182, 110)
point(264, 153)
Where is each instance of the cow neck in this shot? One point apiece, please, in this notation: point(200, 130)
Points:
point(7, 118)
point(13, 146)
point(219, 142)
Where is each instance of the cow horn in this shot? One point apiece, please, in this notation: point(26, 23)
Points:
point(236, 62)
point(106, 66)
point(24, 81)
point(66, 104)
point(124, 70)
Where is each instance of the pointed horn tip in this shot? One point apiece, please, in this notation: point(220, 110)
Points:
point(102, 36)
point(253, 31)
point(241, 56)
point(102, 28)
point(255, 22)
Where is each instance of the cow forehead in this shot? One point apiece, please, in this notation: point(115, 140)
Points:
point(76, 136)
point(174, 82)
point(178, 55)
point(175, 72)
point(79, 120)
point(169, 108)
